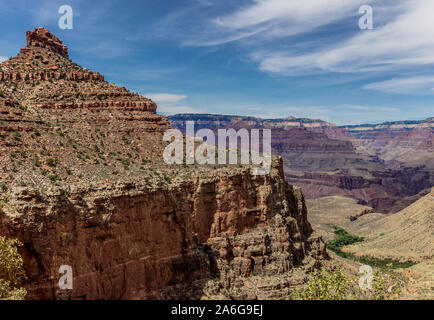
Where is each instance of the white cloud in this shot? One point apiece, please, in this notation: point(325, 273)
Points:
point(282, 36)
point(169, 103)
point(261, 20)
point(422, 84)
point(405, 42)
point(285, 17)
point(369, 108)
point(106, 50)
point(175, 109)
point(166, 97)
point(2, 59)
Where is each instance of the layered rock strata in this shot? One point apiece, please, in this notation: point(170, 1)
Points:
point(384, 166)
point(132, 241)
point(83, 183)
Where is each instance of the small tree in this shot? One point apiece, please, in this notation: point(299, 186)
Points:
point(333, 284)
point(324, 285)
point(11, 270)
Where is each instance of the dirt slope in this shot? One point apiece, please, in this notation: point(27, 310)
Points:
point(406, 234)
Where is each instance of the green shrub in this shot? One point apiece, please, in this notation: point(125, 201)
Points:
point(387, 263)
point(333, 284)
point(325, 285)
point(53, 177)
point(125, 163)
point(3, 187)
point(52, 162)
point(17, 136)
point(343, 238)
point(11, 270)
point(166, 178)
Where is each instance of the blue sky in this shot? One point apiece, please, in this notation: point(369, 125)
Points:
point(265, 58)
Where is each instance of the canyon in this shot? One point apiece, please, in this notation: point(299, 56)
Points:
point(83, 183)
point(386, 166)
point(397, 143)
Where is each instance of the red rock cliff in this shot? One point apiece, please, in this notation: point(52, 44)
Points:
point(131, 242)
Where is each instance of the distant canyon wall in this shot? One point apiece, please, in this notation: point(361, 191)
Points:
point(380, 165)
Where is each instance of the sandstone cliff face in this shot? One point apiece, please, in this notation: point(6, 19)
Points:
point(132, 242)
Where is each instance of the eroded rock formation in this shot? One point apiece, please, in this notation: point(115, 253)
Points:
point(83, 183)
point(42, 38)
point(42, 76)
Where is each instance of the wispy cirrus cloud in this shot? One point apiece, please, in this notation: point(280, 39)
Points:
point(169, 103)
point(107, 50)
point(282, 18)
point(405, 42)
point(369, 108)
point(167, 97)
point(266, 20)
point(419, 85)
point(289, 37)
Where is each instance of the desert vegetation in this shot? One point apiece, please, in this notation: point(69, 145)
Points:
point(343, 238)
point(11, 270)
point(335, 284)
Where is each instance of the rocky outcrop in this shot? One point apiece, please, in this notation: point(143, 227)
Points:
point(303, 140)
point(397, 125)
point(147, 106)
point(47, 75)
point(43, 77)
point(385, 191)
point(6, 103)
point(42, 38)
